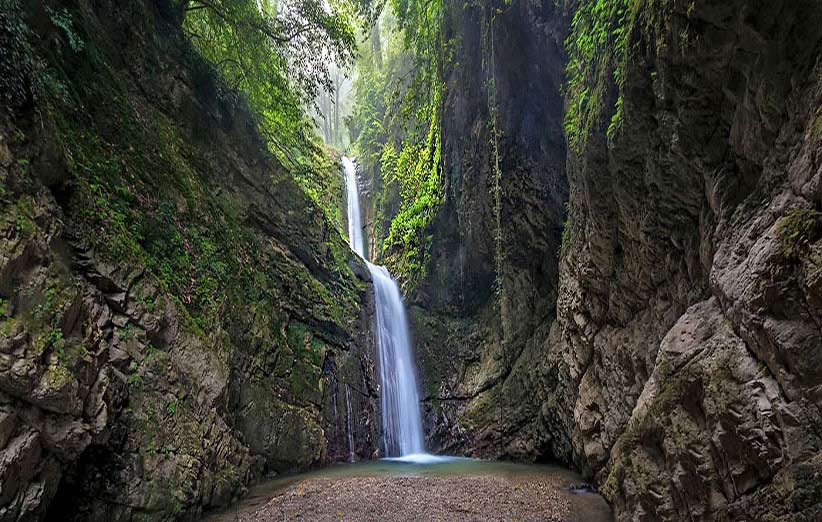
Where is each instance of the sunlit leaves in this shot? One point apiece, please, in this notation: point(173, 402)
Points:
point(597, 45)
point(278, 53)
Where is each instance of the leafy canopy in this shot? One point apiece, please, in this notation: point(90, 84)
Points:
point(278, 53)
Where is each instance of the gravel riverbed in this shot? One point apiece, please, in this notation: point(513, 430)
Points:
point(425, 498)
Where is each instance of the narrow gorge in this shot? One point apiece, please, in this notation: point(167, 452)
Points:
point(410, 260)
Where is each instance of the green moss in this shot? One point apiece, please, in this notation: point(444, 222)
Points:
point(298, 336)
point(407, 247)
point(611, 486)
point(396, 130)
point(19, 217)
point(798, 229)
point(71, 354)
point(320, 178)
point(145, 190)
point(599, 51)
point(305, 368)
point(597, 47)
point(567, 229)
point(664, 369)
point(304, 383)
point(139, 201)
point(10, 327)
point(816, 128)
point(156, 360)
point(483, 411)
point(57, 377)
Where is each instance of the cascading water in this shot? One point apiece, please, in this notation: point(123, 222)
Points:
point(400, 402)
point(353, 196)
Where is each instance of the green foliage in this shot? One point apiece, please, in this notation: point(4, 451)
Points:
point(23, 75)
point(816, 127)
point(186, 243)
point(397, 132)
point(126, 333)
point(62, 20)
point(489, 59)
point(597, 46)
point(143, 190)
point(287, 47)
point(279, 57)
point(55, 336)
point(23, 220)
point(16, 58)
point(135, 380)
point(319, 177)
point(145, 194)
point(570, 220)
point(418, 174)
point(799, 228)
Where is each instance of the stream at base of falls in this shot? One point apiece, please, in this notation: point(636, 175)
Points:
point(427, 491)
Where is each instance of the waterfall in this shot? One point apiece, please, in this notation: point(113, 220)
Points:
point(400, 402)
point(354, 219)
point(334, 401)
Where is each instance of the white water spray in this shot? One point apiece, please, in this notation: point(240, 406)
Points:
point(400, 402)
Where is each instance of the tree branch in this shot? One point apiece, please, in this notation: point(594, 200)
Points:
point(263, 28)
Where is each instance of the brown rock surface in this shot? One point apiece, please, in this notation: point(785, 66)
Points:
point(682, 371)
point(120, 397)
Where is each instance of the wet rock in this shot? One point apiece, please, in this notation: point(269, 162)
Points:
point(693, 395)
point(483, 333)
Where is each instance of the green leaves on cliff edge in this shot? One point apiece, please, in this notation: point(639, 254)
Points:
point(397, 133)
point(799, 229)
point(597, 46)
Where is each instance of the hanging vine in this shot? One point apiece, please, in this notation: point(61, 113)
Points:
point(489, 64)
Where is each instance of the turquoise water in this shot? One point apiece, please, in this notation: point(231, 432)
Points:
point(424, 465)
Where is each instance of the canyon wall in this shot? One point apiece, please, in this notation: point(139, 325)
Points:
point(492, 284)
point(177, 318)
point(625, 273)
point(669, 344)
point(689, 296)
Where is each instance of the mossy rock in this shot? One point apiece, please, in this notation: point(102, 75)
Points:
point(798, 229)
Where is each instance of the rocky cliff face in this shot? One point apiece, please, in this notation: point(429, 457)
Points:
point(492, 286)
point(674, 354)
point(689, 300)
point(176, 316)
